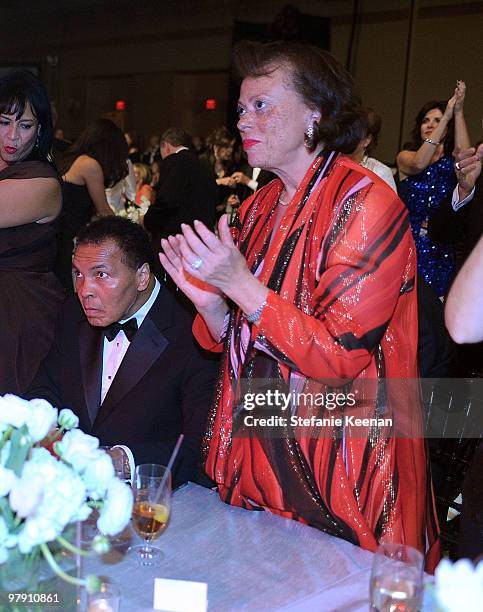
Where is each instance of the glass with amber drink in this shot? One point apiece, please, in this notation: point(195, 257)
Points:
point(151, 510)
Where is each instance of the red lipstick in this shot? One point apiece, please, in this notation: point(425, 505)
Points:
point(249, 143)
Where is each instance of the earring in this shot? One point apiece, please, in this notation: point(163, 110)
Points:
point(37, 141)
point(311, 136)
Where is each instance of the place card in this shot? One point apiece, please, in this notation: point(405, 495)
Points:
point(180, 595)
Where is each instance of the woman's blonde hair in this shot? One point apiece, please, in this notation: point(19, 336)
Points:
point(145, 173)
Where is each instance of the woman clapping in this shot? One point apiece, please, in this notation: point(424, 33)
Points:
point(313, 288)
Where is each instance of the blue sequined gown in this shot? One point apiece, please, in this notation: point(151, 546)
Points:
point(423, 193)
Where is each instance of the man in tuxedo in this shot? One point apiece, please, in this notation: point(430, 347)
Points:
point(460, 217)
point(185, 191)
point(252, 179)
point(124, 359)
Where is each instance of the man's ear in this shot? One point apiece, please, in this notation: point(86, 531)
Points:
point(143, 275)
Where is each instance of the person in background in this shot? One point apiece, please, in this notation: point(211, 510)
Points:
point(95, 162)
point(144, 191)
point(134, 152)
point(313, 288)
point(363, 153)
point(122, 191)
point(426, 177)
point(464, 320)
point(152, 152)
point(198, 145)
point(219, 161)
point(155, 170)
point(464, 306)
point(30, 200)
point(460, 213)
point(249, 179)
point(185, 191)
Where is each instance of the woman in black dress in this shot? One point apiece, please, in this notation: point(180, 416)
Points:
point(30, 198)
point(96, 161)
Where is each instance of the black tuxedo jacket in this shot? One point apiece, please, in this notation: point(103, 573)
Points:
point(465, 225)
point(264, 177)
point(185, 191)
point(164, 385)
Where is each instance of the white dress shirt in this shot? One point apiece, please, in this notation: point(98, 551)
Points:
point(113, 352)
point(253, 182)
point(455, 200)
point(380, 169)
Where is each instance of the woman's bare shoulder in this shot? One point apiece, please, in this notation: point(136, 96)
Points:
point(85, 161)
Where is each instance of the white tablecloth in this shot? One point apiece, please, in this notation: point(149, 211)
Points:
point(250, 561)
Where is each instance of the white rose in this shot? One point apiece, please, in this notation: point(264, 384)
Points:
point(7, 480)
point(63, 498)
point(67, 419)
point(41, 420)
point(40, 455)
point(82, 514)
point(97, 475)
point(459, 586)
point(14, 410)
point(26, 495)
point(37, 530)
point(117, 508)
point(77, 448)
point(7, 540)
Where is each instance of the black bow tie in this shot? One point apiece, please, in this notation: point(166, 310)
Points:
point(130, 328)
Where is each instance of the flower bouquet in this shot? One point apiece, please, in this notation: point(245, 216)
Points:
point(134, 212)
point(51, 476)
point(458, 586)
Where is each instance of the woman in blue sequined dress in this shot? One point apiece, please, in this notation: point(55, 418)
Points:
point(426, 177)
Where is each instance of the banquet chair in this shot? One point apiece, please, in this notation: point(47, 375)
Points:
point(454, 426)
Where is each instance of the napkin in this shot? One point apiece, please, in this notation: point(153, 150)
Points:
point(180, 595)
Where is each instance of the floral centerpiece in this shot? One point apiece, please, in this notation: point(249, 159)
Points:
point(135, 212)
point(53, 475)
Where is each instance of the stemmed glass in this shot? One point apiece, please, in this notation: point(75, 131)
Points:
point(151, 510)
point(396, 579)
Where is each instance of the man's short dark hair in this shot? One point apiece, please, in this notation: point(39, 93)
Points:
point(130, 237)
point(177, 137)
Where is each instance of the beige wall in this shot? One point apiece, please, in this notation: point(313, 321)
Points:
point(446, 45)
point(164, 58)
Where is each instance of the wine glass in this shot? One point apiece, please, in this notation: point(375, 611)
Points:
point(396, 579)
point(151, 510)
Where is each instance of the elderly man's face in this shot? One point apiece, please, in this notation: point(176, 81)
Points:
point(107, 288)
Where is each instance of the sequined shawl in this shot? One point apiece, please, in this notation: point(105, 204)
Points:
point(341, 313)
